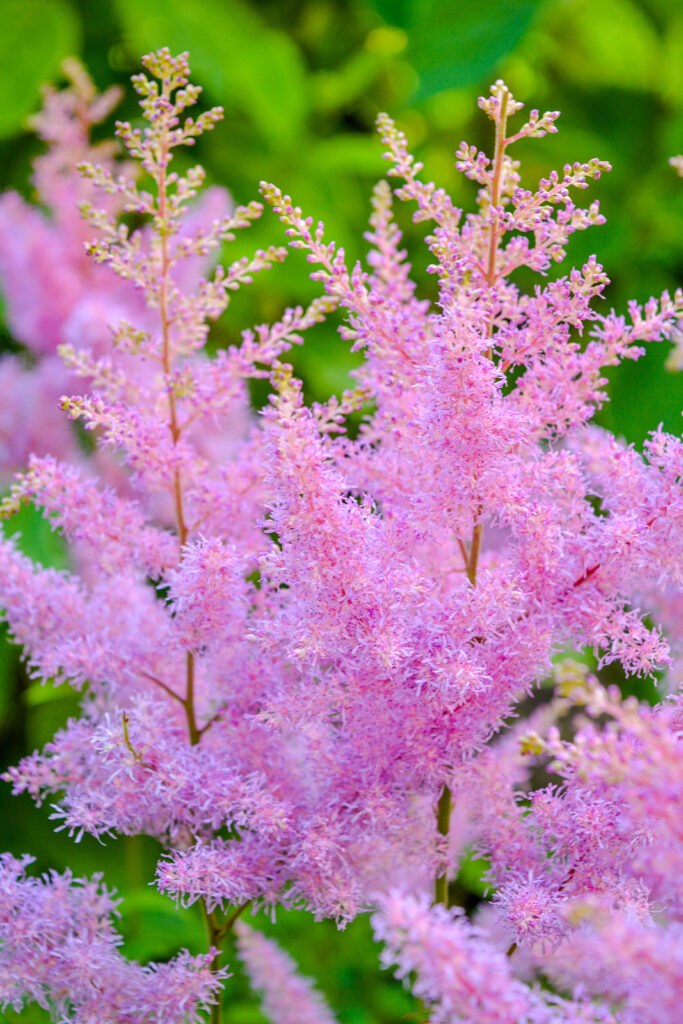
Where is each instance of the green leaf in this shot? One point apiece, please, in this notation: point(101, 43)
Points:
point(36, 539)
point(42, 693)
point(455, 44)
point(35, 37)
point(243, 1011)
point(612, 43)
point(239, 59)
point(9, 666)
point(30, 1014)
point(471, 875)
point(352, 153)
point(395, 12)
point(341, 87)
point(154, 928)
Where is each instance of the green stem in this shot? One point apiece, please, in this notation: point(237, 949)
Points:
point(216, 931)
point(443, 818)
point(473, 560)
point(444, 807)
point(496, 180)
point(213, 936)
point(229, 922)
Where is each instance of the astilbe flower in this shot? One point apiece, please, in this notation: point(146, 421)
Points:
point(638, 964)
point(59, 948)
point(588, 874)
point(631, 766)
point(287, 997)
point(453, 451)
point(458, 974)
point(292, 641)
point(57, 300)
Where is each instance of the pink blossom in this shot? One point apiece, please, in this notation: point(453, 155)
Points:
point(287, 997)
point(59, 949)
point(459, 975)
point(296, 643)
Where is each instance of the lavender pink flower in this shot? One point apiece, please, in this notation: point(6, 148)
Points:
point(296, 642)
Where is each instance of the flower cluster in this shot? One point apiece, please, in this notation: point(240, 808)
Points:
point(287, 997)
point(295, 640)
point(57, 300)
point(59, 949)
point(460, 976)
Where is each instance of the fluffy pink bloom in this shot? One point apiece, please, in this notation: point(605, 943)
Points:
point(294, 640)
point(59, 949)
point(458, 974)
point(286, 997)
point(630, 962)
point(55, 296)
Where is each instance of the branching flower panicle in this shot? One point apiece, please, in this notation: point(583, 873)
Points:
point(300, 645)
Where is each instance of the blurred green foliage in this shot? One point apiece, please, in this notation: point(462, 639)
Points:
point(302, 82)
point(53, 28)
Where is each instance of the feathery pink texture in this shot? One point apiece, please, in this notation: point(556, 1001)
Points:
point(460, 976)
point(59, 949)
point(54, 295)
point(286, 997)
point(588, 875)
point(291, 638)
point(633, 963)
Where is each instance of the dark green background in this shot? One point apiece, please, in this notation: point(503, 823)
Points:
point(302, 83)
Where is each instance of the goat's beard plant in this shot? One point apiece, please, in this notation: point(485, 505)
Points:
point(294, 644)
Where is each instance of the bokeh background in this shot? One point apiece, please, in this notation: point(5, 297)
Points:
point(302, 82)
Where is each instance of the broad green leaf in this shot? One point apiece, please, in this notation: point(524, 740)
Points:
point(42, 693)
point(471, 874)
point(455, 44)
point(396, 12)
point(660, 397)
point(347, 154)
point(243, 1011)
point(669, 79)
point(340, 87)
point(606, 43)
point(234, 54)
point(154, 928)
point(36, 539)
point(31, 1014)
point(328, 371)
point(9, 665)
point(44, 720)
point(35, 37)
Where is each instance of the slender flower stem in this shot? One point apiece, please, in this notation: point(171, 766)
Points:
point(213, 937)
point(445, 801)
point(174, 427)
point(166, 340)
point(230, 920)
point(195, 732)
point(164, 687)
point(494, 237)
point(126, 738)
point(475, 547)
point(443, 817)
point(443, 813)
point(215, 930)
